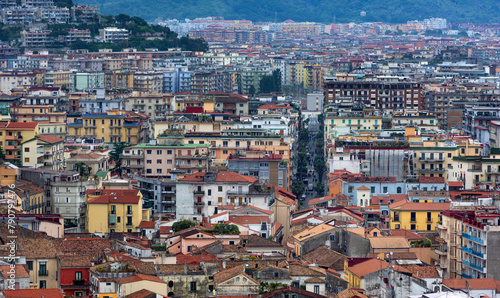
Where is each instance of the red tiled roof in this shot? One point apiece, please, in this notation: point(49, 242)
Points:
point(116, 198)
point(34, 293)
point(147, 225)
point(407, 234)
point(320, 200)
point(410, 206)
point(139, 277)
point(50, 139)
point(22, 125)
point(256, 208)
point(195, 259)
point(455, 184)
point(423, 179)
point(474, 283)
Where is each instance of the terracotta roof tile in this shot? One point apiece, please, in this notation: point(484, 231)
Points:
point(389, 242)
point(50, 139)
point(410, 206)
point(34, 293)
point(227, 274)
point(324, 256)
point(474, 283)
point(371, 266)
point(20, 271)
point(423, 271)
point(139, 277)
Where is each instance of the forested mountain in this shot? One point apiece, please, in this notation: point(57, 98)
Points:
point(326, 11)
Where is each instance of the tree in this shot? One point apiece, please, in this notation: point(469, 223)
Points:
point(277, 80)
point(252, 90)
point(115, 155)
point(122, 19)
point(2, 154)
point(226, 229)
point(298, 188)
point(319, 188)
point(182, 225)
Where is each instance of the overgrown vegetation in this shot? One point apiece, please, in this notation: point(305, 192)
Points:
point(224, 229)
point(182, 225)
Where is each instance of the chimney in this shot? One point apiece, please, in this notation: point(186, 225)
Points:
point(223, 264)
point(185, 269)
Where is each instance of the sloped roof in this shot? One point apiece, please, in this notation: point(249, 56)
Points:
point(389, 242)
point(324, 256)
point(50, 139)
point(371, 266)
point(139, 277)
point(227, 274)
point(423, 271)
point(474, 283)
point(34, 293)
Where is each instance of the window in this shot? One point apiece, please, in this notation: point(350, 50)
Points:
point(372, 189)
point(149, 161)
point(413, 217)
point(78, 275)
point(398, 190)
point(192, 286)
point(220, 188)
point(26, 159)
point(158, 161)
point(30, 265)
point(42, 268)
point(316, 290)
point(43, 284)
point(237, 279)
point(231, 242)
point(158, 171)
point(428, 227)
point(349, 189)
point(332, 237)
point(149, 151)
point(413, 227)
point(385, 189)
point(429, 217)
point(169, 152)
point(158, 152)
point(209, 192)
point(396, 215)
point(129, 221)
point(27, 149)
point(276, 274)
point(118, 219)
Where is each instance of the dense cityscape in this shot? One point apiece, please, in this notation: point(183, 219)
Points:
point(214, 157)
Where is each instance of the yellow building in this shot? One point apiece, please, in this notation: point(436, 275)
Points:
point(114, 210)
point(114, 126)
point(12, 136)
point(55, 129)
point(8, 174)
point(434, 158)
point(415, 216)
point(57, 79)
point(337, 126)
point(38, 113)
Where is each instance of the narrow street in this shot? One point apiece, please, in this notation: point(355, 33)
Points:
point(312, 176)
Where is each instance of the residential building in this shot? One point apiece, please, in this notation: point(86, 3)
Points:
point(36, 38)
point(114, 210)
point(13, 135)
point(32, 197)
point(37, 113)
point(88, 81)
point(112, 126)
point(119, 79)
point(83, 160)
point(113, 34)
point(149, 82)
point(416, 216)
point(156, 106)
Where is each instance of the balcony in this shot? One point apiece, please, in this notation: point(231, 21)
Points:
point(43, 272)
point(440, 227)
point(472, 238)
point(469, 264)
point(425, 159)
point(168, 203)
point(199, 203)
point(442, 250)
point(199, 192)
point(474, 252)
point(474, 170)
point(435, 170)
point(80, 282)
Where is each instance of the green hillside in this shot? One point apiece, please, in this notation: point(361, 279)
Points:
point(390, 11)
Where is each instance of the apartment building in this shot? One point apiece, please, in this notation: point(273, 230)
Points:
point(112, 126)
point(119, 79)
point(209, 81)
point(18, 15)
point(114, 210)
point(83, 81)
point(416, 216)
point(37, 113)
point(268, 168)
point(378, 95)
point(205, 194)
point(75, 35)
point(156, 106)
point(177, 79)
point(468, 243)
point(13, 135)
point(11, 80)
point(477, 119)
point(36, 39)
point(160, 160)
point(37, 3)
point(148, 82)
point(58, 79)
point(54, 14)
point(84, 13)
point(113, 34)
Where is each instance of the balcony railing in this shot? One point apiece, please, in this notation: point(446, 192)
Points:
point(199, 203)
point(475, 239)
point(474, 252)
point(43, 273)
point(469, 264)
point(199, 192)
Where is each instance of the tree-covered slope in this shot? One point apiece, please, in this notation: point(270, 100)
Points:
point(391, 11)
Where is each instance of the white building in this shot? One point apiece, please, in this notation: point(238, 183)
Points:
point(113, 34)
